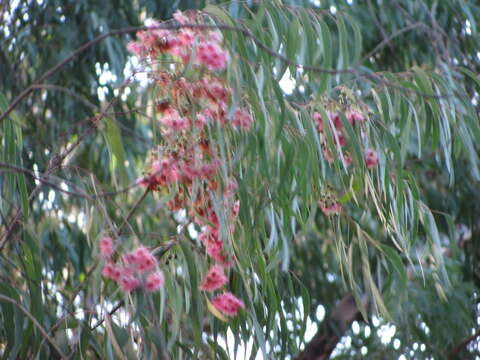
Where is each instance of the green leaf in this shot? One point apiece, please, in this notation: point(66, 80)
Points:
point(117, 152)
point(196, 311)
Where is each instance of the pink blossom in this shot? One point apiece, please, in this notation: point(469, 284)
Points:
point(327, 153)
point(142, 181)
point(317, 118)
point(339, 138)
point(136, 48)
point(111, 271)
point(228, 304)
point(158, 165)
point(214, 279)
point(155, 281)
point(230, 188)
point(143, 259)
point(210, 54)
point(236, 208)
point(355, 117)
point(217, 91)
point(186, 38)
point(214, 245)
point(337, 122)
point(128, 282)
point(215, 251)
point(178, 15)
point(208, 236)
point(332, 208)
point(242, 119)
point(147, 38)
point(129, 258)
point(106, 247)
point(215, 36)
point(371, 158)
point(173, 121)
point(348, 159)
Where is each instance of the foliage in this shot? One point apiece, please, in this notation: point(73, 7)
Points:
point(405, 237)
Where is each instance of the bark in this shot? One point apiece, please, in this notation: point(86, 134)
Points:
point(330, 333)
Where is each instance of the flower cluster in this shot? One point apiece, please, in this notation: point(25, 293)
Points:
point(136, 268)
point(228, 303)
point(355, 118)
point(180, 44)
point(187, 162)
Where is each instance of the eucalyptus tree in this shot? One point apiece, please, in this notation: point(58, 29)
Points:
point(202, 187)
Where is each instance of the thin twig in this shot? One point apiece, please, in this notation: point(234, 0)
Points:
point(110, 313)
point(81, 194)
point(388, 39)
point(132, 210)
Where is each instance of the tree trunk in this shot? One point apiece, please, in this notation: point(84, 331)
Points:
point(330, 333)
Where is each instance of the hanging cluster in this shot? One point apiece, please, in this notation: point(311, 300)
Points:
point(328, 202)
point(135, 269)
point(194, 101)
point(339, 136)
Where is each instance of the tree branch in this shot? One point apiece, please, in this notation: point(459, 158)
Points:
point(25, 93)
point(36, 323)
point(457, 349)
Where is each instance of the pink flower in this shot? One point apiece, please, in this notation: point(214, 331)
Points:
point(339, 139)
point(210, 54)
point(214, 279)
point(136, 48)
point(242, 119)
point(173, 121)
point(228, 304)
point(155, 281)
point(111, 271)
point(337, 122)
point(327, 153)
point(348, 158)
point(332, 208)
point(186, 37)
point(106, 247)
point(142, 181)
point(371, 158)
point(215, 251)
point(182, 19)
point(128, 282)
point(236, 208)
point(231, 187)
point(208, 236)
point(129, 258)
point(355, 117)
point(215, 36)
point(143, 259)
point(317, 118)
point(148, 38)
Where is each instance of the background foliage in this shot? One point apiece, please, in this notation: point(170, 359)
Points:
point(407, 240)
